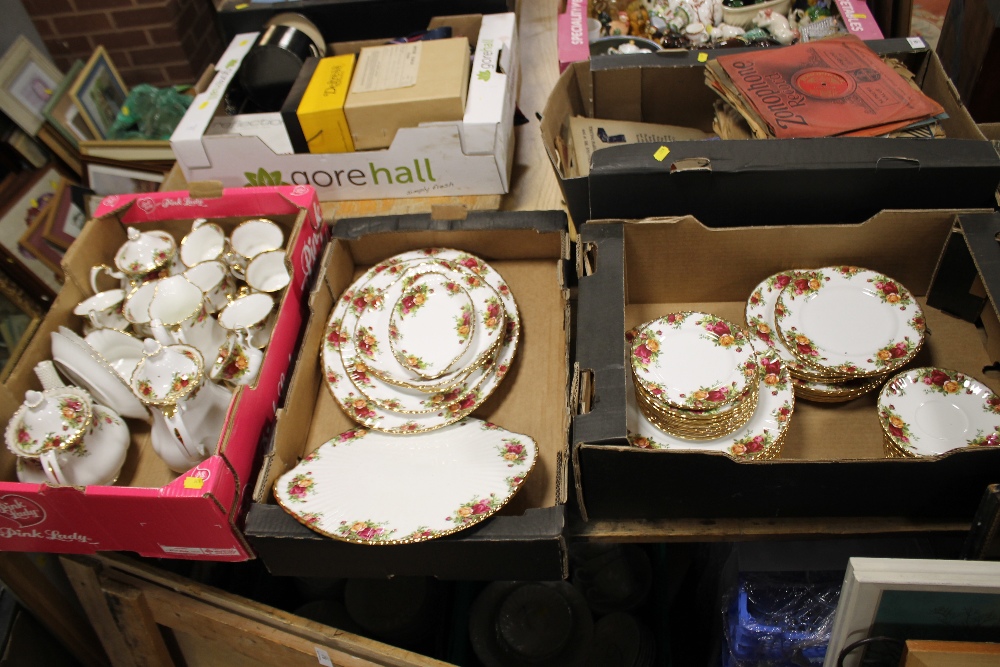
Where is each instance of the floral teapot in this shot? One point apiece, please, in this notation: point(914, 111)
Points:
point(64, 437)
point(189, 411)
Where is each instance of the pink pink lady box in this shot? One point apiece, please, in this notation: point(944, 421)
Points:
point(152, 511)
point(572, 33)
point(858, 19)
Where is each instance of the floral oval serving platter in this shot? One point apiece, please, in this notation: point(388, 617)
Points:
point(420, 407)
point(929, 411)
point(374, 488)
point(764, 431)
point(691, 360)
point(418, 341)
point(850, 321)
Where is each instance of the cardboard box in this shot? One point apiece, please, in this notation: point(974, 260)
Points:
point(404, 85)
point(525, 540)
point(722, 183)
point(969, 48)
point(320, 113)
point(590, 134)
point(151, 510)
point(470, 157)
point(832, 461)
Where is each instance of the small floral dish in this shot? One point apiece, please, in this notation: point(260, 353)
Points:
point(849, 321)
point(929, 411)
point(374, 488)
point(691, 360)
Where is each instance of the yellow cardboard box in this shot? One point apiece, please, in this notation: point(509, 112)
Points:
point(321, 111)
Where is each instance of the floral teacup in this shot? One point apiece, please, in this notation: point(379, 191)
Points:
point(205, 242)
point(104, 310)
point(238, 361)
point(267, 272)
point(214, 280)
point(252, 313)
point(250, 239)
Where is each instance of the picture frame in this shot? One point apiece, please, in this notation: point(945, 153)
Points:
point(67, 218)
point(99, 93)
point(954, 600)
point(27, 81)
point(33, 241)
point(20, 316)
point(63, 115)
point(106, 179)
point(20, 211)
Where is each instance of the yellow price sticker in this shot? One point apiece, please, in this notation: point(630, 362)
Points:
point(193, 482)
point(242, 5)
point(661, 153)
point(860, 16)
point(703, 57)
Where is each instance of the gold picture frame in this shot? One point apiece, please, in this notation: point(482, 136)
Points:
point(27, 81)
point(99, 93)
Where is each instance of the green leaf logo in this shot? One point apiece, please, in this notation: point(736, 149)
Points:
point(263, 177)
point(484, 75)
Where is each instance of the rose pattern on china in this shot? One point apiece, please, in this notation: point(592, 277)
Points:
point(368, 297)
point(773, 378)
point(237, 365)
point(513, 482)
point(473, 264)
point(646, 349)
point(643, 442)
point(707, 397)
point(362, 410)
point(779, 281)
point(722, 333)
point(336, 336)
point(894, 354)
point(891, 292)
point(751, 445)
point(443, 398)
point(464, 404)
point(367, 530)
point(411, 302)
point(366, 342)
point(420, 533)
point(412, 360)
point(513, 452)
point(986, 439)
point(992, 404)
point(463, 323)
point(493, 314)
point(941, 381)
point(311, 518)
point(762, 330)
point(333, 378)
point(895, 425)
point(849, 271)
point(807, 282)
point(474, 510)
point(301, 486)
point(918, 323)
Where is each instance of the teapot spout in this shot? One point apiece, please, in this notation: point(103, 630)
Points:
point(161, 333)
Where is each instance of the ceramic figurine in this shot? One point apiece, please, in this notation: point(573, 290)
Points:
point(777, 25)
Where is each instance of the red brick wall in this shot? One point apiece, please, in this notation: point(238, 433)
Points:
point(160, 42)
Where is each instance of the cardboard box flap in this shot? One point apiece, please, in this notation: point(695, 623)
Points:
point(186, 138)
point(915, 174)
point(494, 77)
point(139, 208)
point(541, 221)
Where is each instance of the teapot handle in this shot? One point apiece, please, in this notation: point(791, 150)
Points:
point(53, 471)
point(96, 271)
point(48, 376)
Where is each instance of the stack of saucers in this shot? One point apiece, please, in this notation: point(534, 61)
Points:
point(841, 330)
point(929, 411)
point(420, 340)
point(695, 375)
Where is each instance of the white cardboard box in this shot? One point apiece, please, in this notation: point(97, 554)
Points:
point(471, 157)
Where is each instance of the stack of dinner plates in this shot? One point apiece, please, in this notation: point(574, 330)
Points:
point(841, 330)
point(420, 340)
point(695, 375)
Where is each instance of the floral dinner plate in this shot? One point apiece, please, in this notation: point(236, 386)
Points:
point(850, 321)
point(691, 360)
point(373, 488)
point(929, 411)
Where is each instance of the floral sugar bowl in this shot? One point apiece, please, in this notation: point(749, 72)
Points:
point(72, 439)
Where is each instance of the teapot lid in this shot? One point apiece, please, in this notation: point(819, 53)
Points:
point(144, 251)
point(56, 418)
point(167, 373)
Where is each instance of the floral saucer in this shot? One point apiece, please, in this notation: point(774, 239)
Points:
point(929, 411)
point(760, 437)
point(690, 360)
point(849, 321)
point(373, 488)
